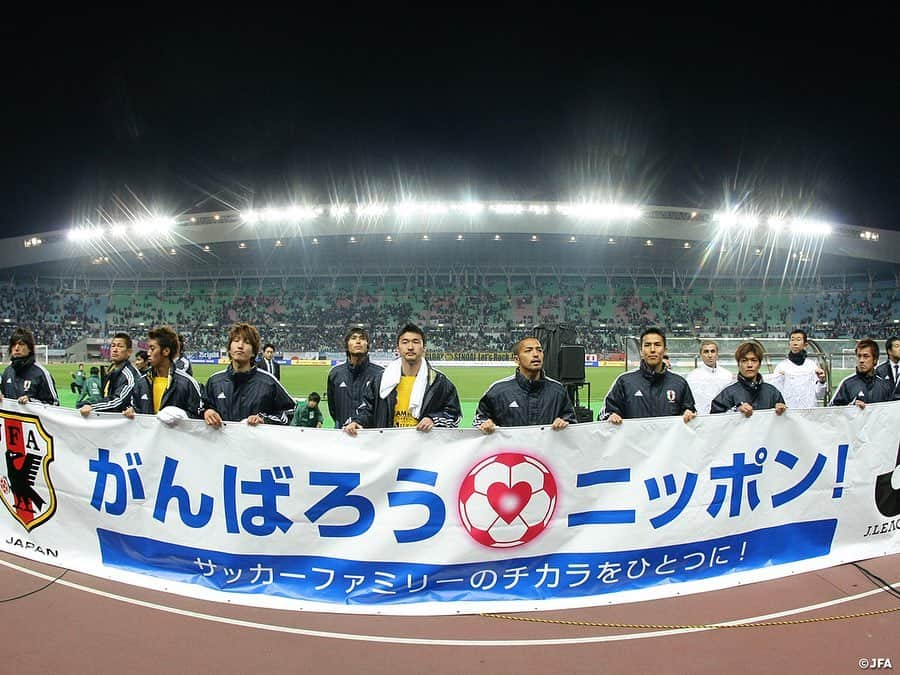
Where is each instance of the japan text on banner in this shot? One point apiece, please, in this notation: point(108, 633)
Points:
point(402, 522)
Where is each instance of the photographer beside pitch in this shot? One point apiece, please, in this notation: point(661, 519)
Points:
point(528, 397)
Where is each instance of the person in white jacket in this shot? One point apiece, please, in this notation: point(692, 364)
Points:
point(801, 380)
point(708, 379)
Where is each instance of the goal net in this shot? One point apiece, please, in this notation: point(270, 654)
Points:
point(41, 354)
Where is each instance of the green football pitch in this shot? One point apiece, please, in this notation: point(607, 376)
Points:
point(470, 381)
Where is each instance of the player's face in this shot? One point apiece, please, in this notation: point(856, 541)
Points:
point(652, 350)
point(119, 351)
point(139, 362)
point(156, 356)
point(20, 349)
point(865, 360)
point(894, 351)
point(797, 344)
point(530, 358)
point(268, 353)
point(749, 366)
point(240, 351)
point(357, 345)
point(710, 355)
point(411, 347)
point(312, 405)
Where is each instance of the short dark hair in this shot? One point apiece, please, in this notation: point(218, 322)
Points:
point(890, 342)
point(141, 354)
point(801, 332)
point(748, 348)
point(123, 336)
point(355, 330)
point(269, 345)
point(314, 396)
point(95, 370)
point(867, 342)
point(411, 328)
point(518, 346)
point(22, 335)
point(653, 331)
point(246, 331)
point(166, 338)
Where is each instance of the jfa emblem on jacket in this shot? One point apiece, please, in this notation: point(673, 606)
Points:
point(670, 395)
point(25, 486)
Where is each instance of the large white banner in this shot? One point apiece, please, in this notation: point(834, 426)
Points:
point(403, 522)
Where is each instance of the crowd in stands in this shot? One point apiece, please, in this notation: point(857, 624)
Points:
point(462, 315)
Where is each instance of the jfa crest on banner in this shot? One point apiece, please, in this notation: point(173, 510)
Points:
point(25, 486)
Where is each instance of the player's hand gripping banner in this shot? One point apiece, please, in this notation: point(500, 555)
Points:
point(404, 522)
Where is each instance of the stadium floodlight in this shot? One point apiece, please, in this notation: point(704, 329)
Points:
point(801, 226)
point(497, 237)
point(352, 239)
point(867, 235)
point(339, 211)
point(469, 208)
point(207, 248)
point(90, 233)
point(534, 237)
point(301, 213)
point(572, 239)
point(459, 237)
point(406, 209)
point(172, 251)
point(140, 255)
point(735, 219)
point(600, 211)
point(372, 210)
point(242, 245)
point(389, 239)
point(118, 230)
point(539, 209)
point(33, 241)
point(160, 224)
point(686, 245)
point(507, 209)
point(425, 237)
point(315, 241)
point(648, 242)
point(251, 217)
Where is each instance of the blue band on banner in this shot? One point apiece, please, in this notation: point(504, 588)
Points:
point(559, 575)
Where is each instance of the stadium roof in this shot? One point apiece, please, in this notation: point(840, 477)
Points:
point(371, 237)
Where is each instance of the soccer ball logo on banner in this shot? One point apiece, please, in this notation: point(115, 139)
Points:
point(507, 500)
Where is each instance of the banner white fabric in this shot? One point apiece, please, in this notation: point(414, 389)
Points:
point(402, 522)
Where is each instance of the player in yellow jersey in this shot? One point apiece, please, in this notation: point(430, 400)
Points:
point(409, 393)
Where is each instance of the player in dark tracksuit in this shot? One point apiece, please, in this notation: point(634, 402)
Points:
point(749, 393)
point(528, 397)
point(349, 381)
point(409, 393)
point(243, 392)
point(122, 380)
point(864, 386)
point(650, 391)
point(24, 379)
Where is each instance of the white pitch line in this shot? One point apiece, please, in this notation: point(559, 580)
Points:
point(432, 641)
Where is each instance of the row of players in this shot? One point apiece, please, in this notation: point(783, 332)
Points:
point(409, 392)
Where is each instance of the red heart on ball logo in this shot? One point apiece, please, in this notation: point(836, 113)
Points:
point(508, 501)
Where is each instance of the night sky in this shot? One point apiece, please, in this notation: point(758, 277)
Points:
point(184, 112)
